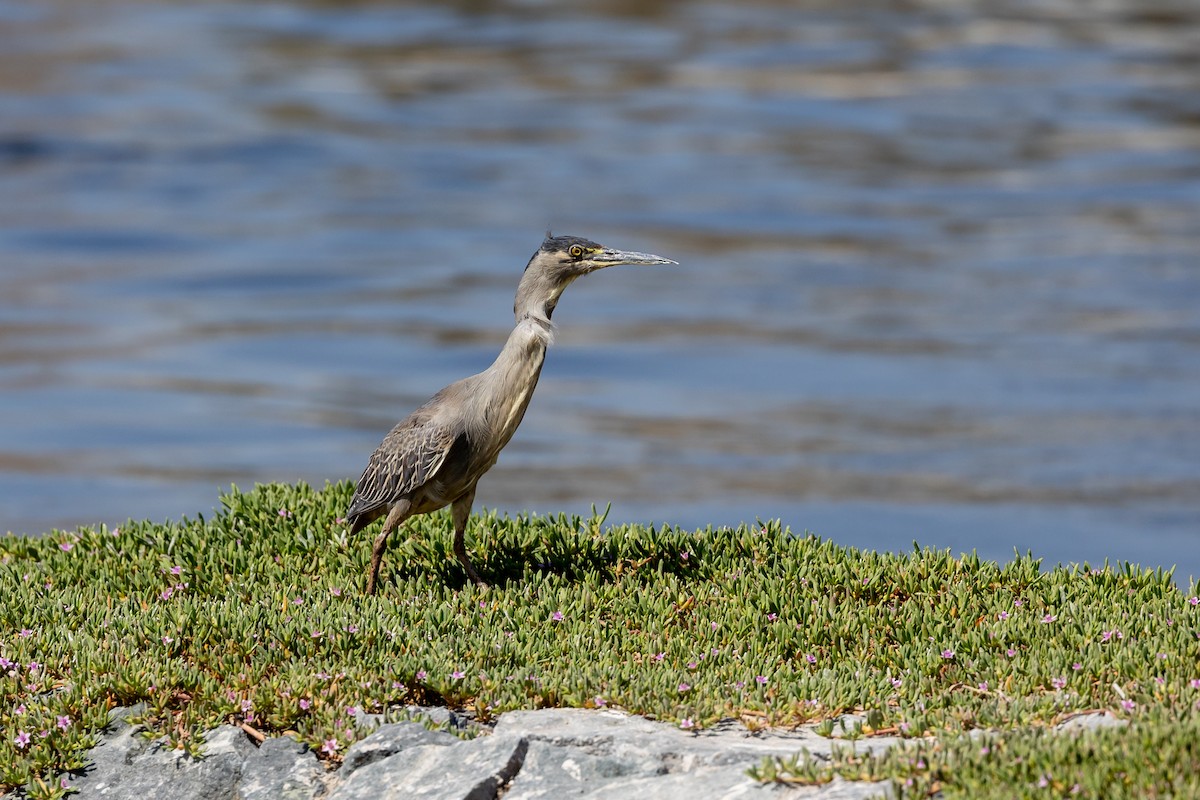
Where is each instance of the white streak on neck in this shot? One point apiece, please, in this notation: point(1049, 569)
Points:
point(535, 329)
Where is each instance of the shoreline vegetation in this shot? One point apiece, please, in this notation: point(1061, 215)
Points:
point(258, 618)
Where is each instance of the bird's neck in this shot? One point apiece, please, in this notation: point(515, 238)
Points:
point(512, 379)
point(537, 295)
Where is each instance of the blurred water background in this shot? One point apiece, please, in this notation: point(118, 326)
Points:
point(939, 274)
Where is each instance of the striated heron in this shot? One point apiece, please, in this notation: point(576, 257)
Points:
point(436, 456)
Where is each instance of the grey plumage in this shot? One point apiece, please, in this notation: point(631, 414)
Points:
point(436, 456)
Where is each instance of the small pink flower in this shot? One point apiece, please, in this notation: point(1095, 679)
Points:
point(317, 634)
point(761, 680)
point(659, 656)
point(176, 570)
point(247, 705)
point(1003, 615)
point(115, 531)
point(339, 521)
point(557, 616)
point(1077, 666)
point(686, 723)
point(167, 640)
point(683, 687)
point(329, 747)
point(422, 675)
point(1010, 652)
point(167, 593)
point(772, 617)
point(684, 555)
point(1058, 683)
point(21, 740)
point(983, 686)
point(66, 547)
point(351, 711)
point(1194, 600)
point(948, 654)
point(304, 704)
point(24, 633)
point(810, 658)
point(1107, 635)
point(457, 675)
point(336, 591)
point(1128, 705)
point(1046, 620)
point(299, 601)
point(352, 628)
point(897, 683)
point(1194, 683)
point(283, 512)
point(1018, 602)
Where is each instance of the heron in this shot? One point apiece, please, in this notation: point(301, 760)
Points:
point(436, 456)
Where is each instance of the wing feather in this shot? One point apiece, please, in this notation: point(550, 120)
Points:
point(409, 456)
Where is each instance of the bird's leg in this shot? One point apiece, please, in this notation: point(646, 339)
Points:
point(395, 518)
point(460, 512)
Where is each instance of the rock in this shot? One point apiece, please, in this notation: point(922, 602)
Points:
point(530, 755)
point(281, 769)
point(389, 740)
point(1088, 721)
point(441, 716)
point(467, 770)
point(608, 754)
point(128, 771)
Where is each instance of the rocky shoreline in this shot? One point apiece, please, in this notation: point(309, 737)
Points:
point(525, 755)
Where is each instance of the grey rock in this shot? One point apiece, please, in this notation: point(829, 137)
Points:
point(530, 755)
point(127, 771)
point(1091, 721)
point(552, 771)
point(281, 769)
point(714, 784)
point(391, 739)
point(467, 770)
point(635, 738)
point(608, 754)
point(439, 715)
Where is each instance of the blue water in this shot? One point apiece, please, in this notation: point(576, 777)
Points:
point(939, 276)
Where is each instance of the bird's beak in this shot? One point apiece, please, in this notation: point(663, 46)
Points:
point(609, 257)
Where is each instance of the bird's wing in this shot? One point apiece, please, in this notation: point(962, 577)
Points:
point(409, 455)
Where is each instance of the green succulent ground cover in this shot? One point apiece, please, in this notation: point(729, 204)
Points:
point(258, 616)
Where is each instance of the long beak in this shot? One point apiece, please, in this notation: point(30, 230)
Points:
point(609, 257)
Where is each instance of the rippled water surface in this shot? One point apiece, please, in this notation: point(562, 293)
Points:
point(939, 281)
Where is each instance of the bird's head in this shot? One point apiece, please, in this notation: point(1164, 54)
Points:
point(562, 259)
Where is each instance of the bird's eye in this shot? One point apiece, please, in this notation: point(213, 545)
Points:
point(576, 252)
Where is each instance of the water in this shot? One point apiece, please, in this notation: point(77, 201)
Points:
point(939, 274)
